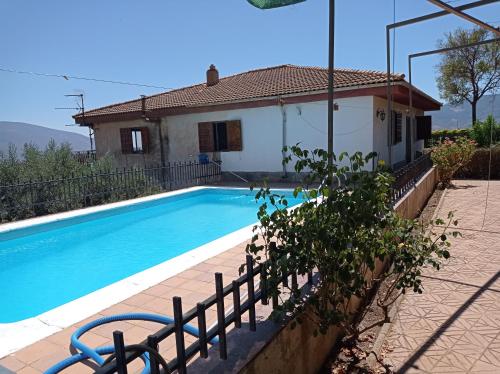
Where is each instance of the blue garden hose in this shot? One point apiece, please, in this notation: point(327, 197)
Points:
point(96, 354)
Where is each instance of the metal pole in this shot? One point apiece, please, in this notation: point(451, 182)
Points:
point(389, 93)
point(441, 13)
point(452, 10)
point(331, 47)
point(436, 51)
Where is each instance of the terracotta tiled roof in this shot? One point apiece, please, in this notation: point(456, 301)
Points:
point(254, 84)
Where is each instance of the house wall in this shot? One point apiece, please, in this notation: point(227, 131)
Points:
point(380, 139)
point(356, 128)
point(108, 142)
point(262, 132)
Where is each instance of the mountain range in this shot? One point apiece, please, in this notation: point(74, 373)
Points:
point(452, 117)
point(19, 133)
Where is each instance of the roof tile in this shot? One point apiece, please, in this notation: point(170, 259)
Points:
point(254, 84)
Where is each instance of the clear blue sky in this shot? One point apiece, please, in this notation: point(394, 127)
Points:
point(171, 43)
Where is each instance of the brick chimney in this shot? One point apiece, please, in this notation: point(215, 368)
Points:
point(212, 76)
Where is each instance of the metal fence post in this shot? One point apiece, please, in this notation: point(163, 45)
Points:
point(179, 335)
point(121, 363)
point(251, 294)
point(221, 318)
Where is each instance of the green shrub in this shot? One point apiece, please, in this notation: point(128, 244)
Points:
point(449, 156)
point(483, 132)
point(438, 136)
point(478, 166)
point(53, 180)
point(341, 233)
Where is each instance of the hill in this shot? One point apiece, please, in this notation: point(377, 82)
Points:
point(448, 117)
point(19, 133)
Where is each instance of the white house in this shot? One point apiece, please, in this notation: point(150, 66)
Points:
point(245, 119)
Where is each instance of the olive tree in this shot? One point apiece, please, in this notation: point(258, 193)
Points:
point(467, 74)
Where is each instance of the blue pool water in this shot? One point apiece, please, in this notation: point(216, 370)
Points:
point(48, 265)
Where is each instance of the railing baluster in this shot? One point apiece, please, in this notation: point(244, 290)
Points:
point(263, 285)
point(237, 304)
point(221, 326)
point(202, 329)
point(153, 343)
point(121, 363)
point(251, 294)
point(179, 335)
point(274, 274)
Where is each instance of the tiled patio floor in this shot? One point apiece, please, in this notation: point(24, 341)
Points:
point(454, 326)
point(193, 285)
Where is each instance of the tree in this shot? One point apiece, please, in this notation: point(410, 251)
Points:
point(467, 74)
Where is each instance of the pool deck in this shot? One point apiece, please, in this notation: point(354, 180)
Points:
point(193, 285)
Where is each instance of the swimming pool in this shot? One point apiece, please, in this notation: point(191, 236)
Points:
point(45, 266)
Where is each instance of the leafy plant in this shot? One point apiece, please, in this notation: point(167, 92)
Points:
point(342, 233)
point(53, 180)
point(449, 156)
point(440, 135)
point(484, 132)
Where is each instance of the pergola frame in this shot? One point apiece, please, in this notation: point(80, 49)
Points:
point(447, 10)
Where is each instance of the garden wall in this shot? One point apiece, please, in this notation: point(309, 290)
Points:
point(297, 350)
point(414, 201)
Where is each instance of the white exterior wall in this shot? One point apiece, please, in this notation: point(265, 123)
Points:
point(356, 128)
point(380, 139)
point(262, 132)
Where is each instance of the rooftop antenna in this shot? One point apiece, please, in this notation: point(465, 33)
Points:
point(81, 108)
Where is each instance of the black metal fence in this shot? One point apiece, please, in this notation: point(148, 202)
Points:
point(126, 354)
point(32, 198)
point(407, 176)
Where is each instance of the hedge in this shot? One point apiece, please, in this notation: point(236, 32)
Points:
point(477, 168)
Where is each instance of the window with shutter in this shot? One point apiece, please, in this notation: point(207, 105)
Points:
point(206, 137)
point(234, 136)
point(134, 140)
point(424, 127)
point(397, 127)
point(126, 140)
point(219, 136)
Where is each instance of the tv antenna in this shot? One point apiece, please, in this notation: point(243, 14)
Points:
point(81, 109)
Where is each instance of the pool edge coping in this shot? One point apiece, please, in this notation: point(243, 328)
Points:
point(17, 335)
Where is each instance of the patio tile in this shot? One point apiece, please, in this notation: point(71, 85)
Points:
point(36, 351)
point(11, 363)
point(158, 290)
point(29, 370)
point(50, 360)
point(453, 327)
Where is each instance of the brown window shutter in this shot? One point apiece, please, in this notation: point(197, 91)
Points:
point(206, 137)
point(126, 140)
point(424, 127)
point(234, 135)
point(145, 139)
